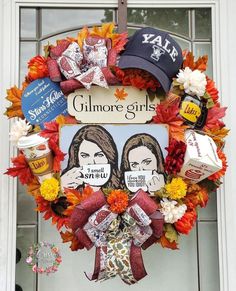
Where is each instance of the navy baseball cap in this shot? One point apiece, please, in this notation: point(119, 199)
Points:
point(154, 51)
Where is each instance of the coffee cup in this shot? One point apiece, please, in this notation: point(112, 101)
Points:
point(136, 180)
point(38, 154)
point(95, 175)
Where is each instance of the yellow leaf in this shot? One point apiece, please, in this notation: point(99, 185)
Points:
point(82, 35)
point(106, 31)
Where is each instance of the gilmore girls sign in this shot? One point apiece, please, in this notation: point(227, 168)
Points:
point(43, 101)
point(100, 105)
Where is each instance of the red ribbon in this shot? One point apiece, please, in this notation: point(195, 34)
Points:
point(83, 211)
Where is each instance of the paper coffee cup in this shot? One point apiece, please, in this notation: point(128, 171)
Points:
point(96, 175)
point(135, 180)
point(38, 155)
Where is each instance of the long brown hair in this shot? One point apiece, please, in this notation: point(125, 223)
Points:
point(137, 140)
point(103, 139)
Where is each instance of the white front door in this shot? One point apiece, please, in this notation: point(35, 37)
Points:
point(195, 266)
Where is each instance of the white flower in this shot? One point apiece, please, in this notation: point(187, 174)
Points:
point(20, 128)
point(194, 82)
point(171, 212)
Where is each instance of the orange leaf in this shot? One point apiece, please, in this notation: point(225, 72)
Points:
point(120, 94)
point(218, 134)
point(166, 244)
point(34, 187)
point(200, 64)
point(70, 237)
point(168, 114)
point(82, 35)
point(14, 95)
point(105, 31)
point(20, 169)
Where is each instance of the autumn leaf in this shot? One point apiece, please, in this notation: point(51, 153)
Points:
point(58, 155)
point(20, 169)
point(119, 41)
point(165, 243)
point(70, 237)
point(105, 31)
point(65, 119)
point(33, 187)
point(170, 233)
point(51, 131)
point(200, 64)
point(214, 117)
point(120, 94)
point(14, 95)
point(82, 35)
point(166, 114)
point(218, 135)
point(75, 197)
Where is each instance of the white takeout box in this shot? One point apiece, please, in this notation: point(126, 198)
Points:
point(201, 159)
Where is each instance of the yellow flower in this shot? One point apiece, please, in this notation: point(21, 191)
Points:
point(176, 189)
point(49, 189)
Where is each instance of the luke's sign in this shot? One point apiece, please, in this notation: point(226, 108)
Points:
point(118, 104)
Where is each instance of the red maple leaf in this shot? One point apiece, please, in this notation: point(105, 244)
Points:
point(168, 114)
point(58, 155)
point(51, 131)
point(214, 117)
point(21, 169)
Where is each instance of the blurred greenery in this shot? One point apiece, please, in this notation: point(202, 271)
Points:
point(203, 23)
point(171, 19)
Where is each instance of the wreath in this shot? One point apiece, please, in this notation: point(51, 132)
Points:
point(116, 222)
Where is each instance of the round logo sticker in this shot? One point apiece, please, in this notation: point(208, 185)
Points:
point(43, 101)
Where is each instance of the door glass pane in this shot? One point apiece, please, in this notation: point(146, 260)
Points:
point(203, 23)
point(55, 20)
point(201, 49)
point(27, 51)
point(208, 256)
point(25, 204)
point(173, 20)
point(28, 23)
point(25, 277)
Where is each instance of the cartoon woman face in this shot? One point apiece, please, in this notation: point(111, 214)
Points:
point(142, 159)
point(142, 164)
point(91, 147)
point(90, 154)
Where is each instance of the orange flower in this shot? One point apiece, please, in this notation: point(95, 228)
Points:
point(54, 210)
point(211, 90)
point(221, 172)
point(118, 201)
point(37, 68)
point(186, 223)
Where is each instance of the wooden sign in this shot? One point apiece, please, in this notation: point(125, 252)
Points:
point(118, 104)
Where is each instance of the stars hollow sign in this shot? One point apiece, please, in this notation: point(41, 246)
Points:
point(118, 104)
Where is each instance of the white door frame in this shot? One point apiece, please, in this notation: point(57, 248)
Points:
point(224, 50)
